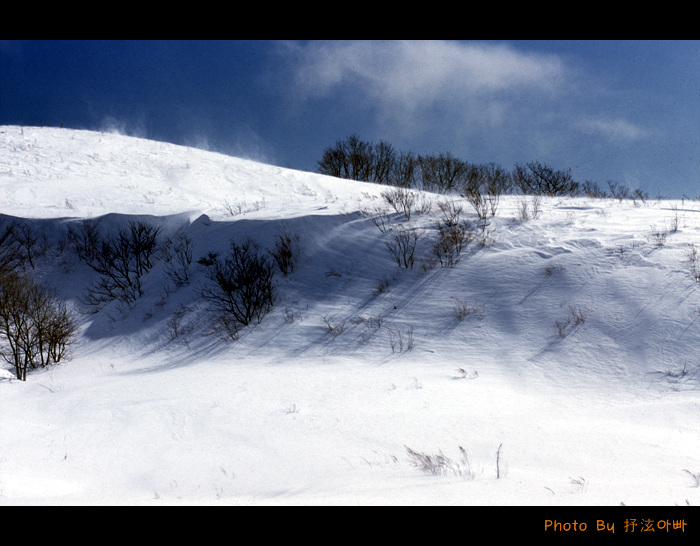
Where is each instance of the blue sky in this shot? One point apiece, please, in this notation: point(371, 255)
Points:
point(627, 111)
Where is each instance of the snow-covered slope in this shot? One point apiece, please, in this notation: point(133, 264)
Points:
point(360, 363)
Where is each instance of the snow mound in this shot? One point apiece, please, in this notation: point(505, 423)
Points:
point(569, 339)
point(52, 172)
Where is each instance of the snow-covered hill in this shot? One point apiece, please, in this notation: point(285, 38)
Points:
point(362, 370)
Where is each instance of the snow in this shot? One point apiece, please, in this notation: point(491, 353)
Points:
point(295, 413)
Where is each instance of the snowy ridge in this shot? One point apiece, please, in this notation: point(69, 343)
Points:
point(571, 339)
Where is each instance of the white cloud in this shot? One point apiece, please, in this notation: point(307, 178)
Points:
point(615, 130)
point(405, 77)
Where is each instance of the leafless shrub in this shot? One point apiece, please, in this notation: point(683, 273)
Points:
point(225, 326)
point(27, 243)
point(451, 212)
point(484, 184)
point(409, 339)
point(400, 341)
point(618, 191)
point(523, 213)
point(85, 239)
point(694, 261)
point(439, 464)
point(401, 200)
point(382, 220)
point(382, 285)
point(286, 251)
point(496, 181)
point(402, 245)
point(240, 288)
point(579, 482)
point(375, 321)
point(530, 210)
point(562, 325)
point(453, 234)
point(640, 195)
point(176, 327)
point(436, 464)
point(579, 314)
point(121, 261)
point(536, 206)
point(174, 324)
point(483, 236)
point(178, 257)
point(452, 239)
point(478, 201)
point(462, 309)
point(241, 207)
point(658, 236)
point(673, 226)
point(677, 374)
point(372, 324)
point(335, 329)
point(372, 321)
point(10, 255)
point(552, 269)
point(423, 203)
point(233, 208)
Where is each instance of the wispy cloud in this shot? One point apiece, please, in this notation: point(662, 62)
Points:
point(400, 78)
point(615, 130)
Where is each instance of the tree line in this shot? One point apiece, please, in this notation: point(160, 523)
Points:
point(356, 159)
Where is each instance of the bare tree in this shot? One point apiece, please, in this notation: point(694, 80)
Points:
point(26, 241)
point(178, 256)
point(35, 325)
point(241, 286)
point(539, 179)
point(10, 255)
point(383, 161)
point(85, 239)
point(443, 173)
point(122, 260)
point(405, 171)
point(352, 159)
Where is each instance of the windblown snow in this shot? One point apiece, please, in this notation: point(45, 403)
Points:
point(555, 364)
